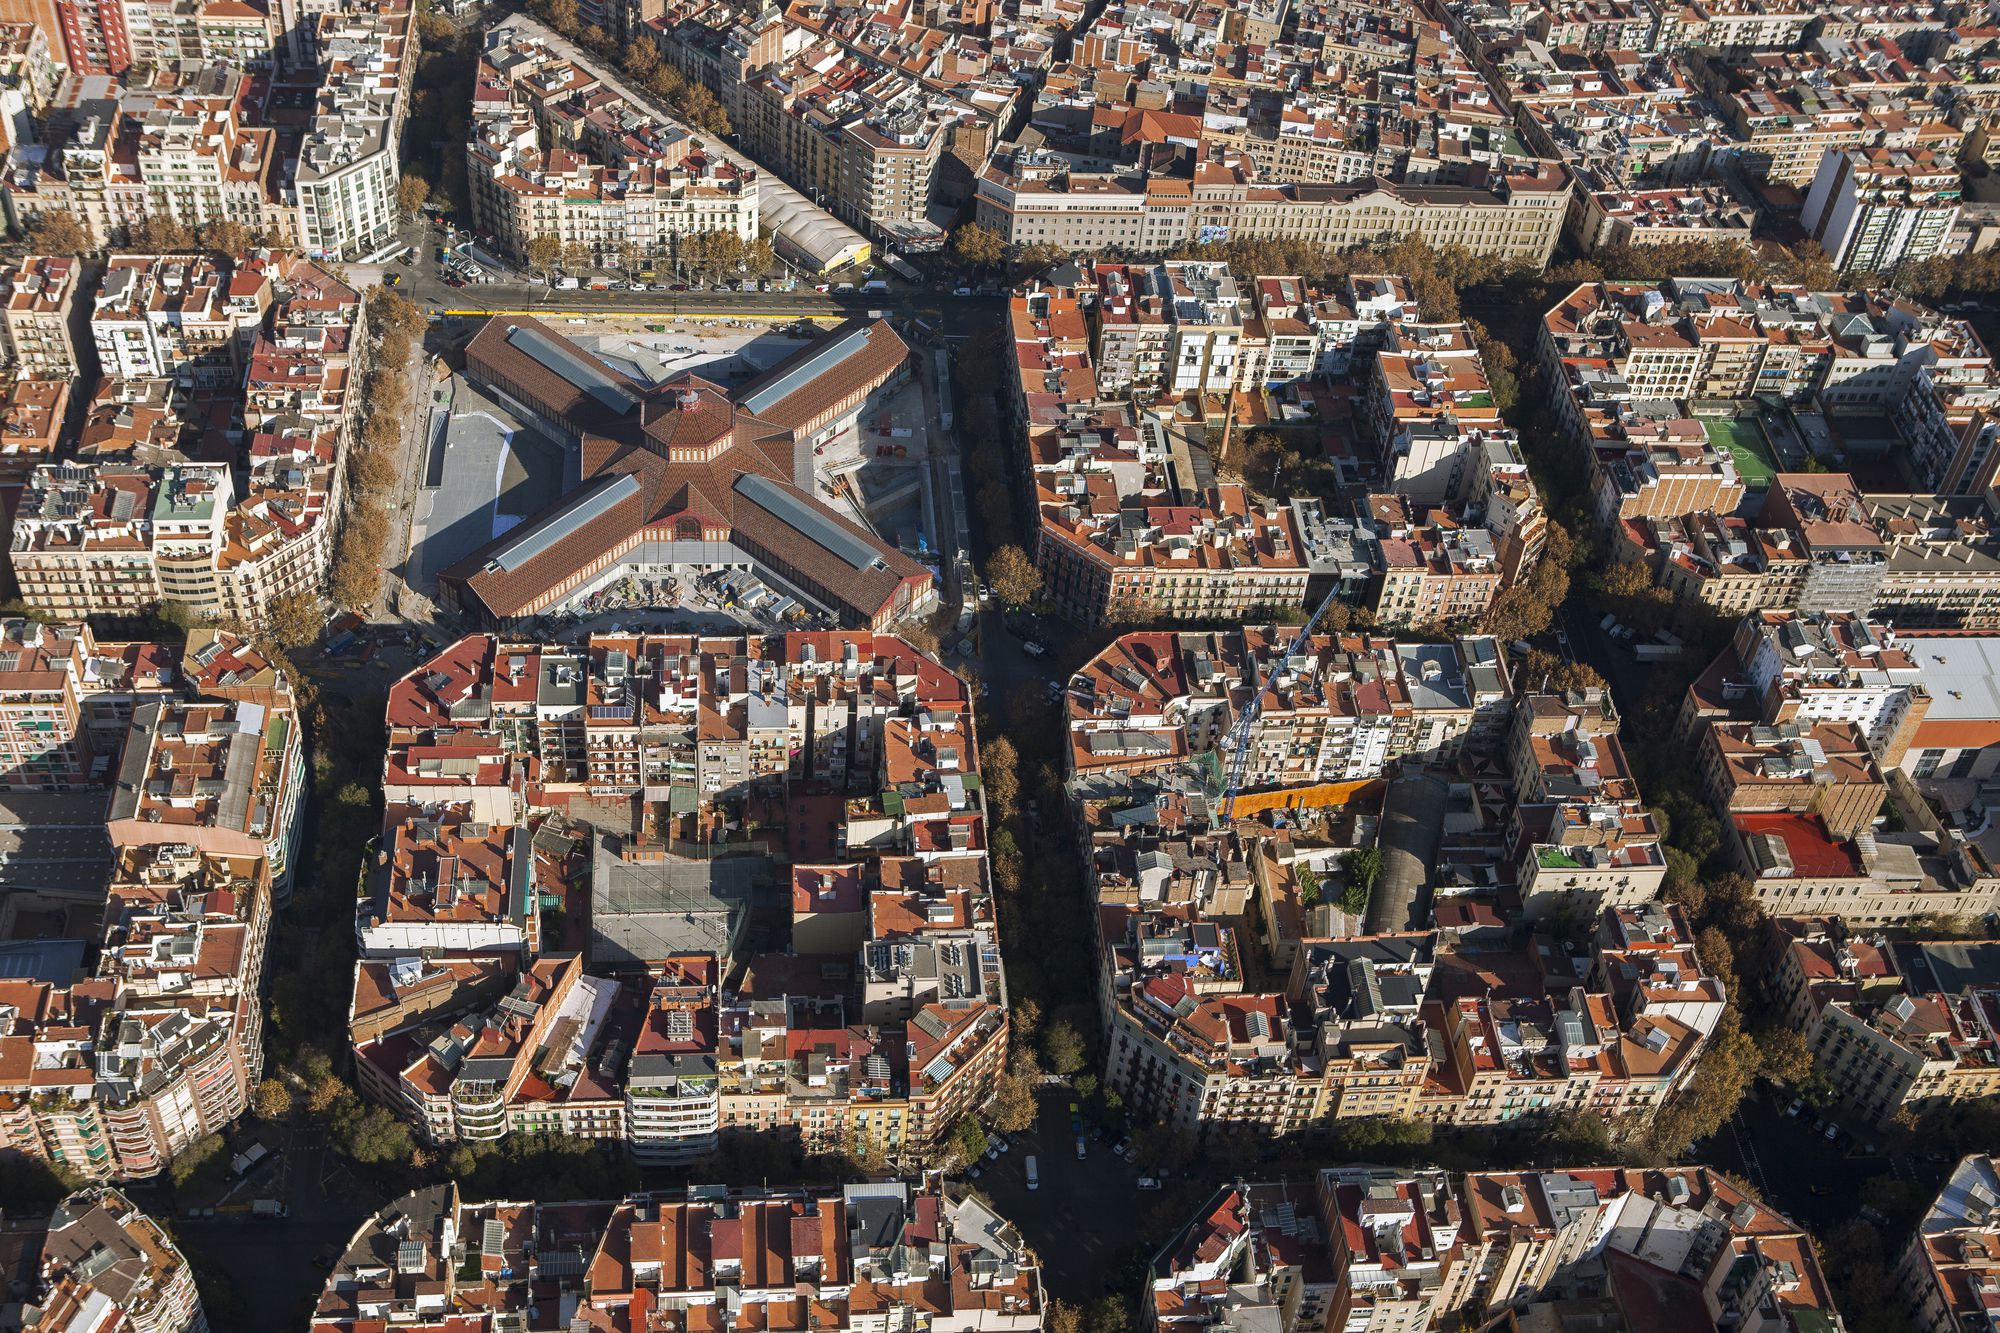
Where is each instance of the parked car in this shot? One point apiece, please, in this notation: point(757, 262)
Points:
point(1148, 1183)
point(1033, 649)
point(961, 291)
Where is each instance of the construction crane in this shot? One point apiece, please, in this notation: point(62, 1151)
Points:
point(1238, 744)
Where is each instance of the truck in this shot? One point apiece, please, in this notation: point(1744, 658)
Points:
point(1034, 1178)
point(903, 267)
point(249, 1157)
point(269, 1209)
point(1655, 652)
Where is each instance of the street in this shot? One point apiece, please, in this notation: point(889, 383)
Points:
point(1084, 1217)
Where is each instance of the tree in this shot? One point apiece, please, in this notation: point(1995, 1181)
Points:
point(292, 620)
point(1062, 1048)
point(563, 16)
point(575, 256)
point(1013, 1108)
point(1038, 258)
point(225, 236)
point(1013, 576)
point(978, 247)
point(1807, 265)
point(1784, 1055)
point(412, 193)
point(641, 59)
point(594, 39)
point(194, 1157)
point(1363, 866)
point(377, 1137)
point(58, 234)
point(272, 1100)
point(160, 234)
point(544, 253)
point(1542, 670)
point(970, 1140)
point(999, 771)
point(758, 256)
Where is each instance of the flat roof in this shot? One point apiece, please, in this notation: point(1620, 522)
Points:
point(1962, 675)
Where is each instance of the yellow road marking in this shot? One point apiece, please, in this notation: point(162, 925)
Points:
point(654, 315)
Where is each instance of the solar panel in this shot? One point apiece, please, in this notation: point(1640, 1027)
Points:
point(800, 514)
point(592, 379)
point(814, 364)
point(586, 508)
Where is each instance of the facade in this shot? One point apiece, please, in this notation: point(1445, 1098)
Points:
point(864, 1256)
point(1873, 211)
point(133, 520)
point(120, 1069)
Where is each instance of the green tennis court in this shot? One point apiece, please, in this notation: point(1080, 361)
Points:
point(1744, 439)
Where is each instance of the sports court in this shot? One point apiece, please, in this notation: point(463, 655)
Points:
point(1744, 439)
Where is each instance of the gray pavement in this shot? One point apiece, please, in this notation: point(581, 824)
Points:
point(492, 473)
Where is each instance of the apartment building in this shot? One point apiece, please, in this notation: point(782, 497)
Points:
point(863, 1256)
point(608, 175)
point(132, 520)
point(35, 338)
point(226, 778)
point(1509, 1043)
point(1904, 1028)
point(65, 700)
point(1271, 1247)
point(1950, 1270)
point(638, 747)
point(1341, 708)
point(1730, 1261)
point(107, 1266)
point(1825, 769)
point(1378, 1248)
point(183, 140)
point(182, 854)
point(172, 317)
point(1877, 209)
point(344, 184)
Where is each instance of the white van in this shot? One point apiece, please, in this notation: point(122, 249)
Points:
point(566, 284)
point(1034, 1179)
